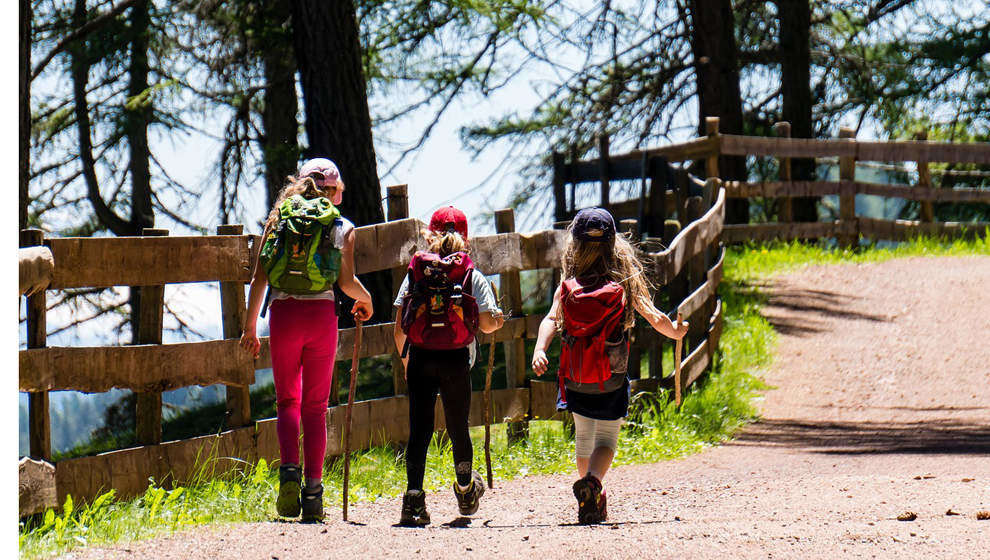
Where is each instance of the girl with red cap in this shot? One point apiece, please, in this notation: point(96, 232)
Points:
point(303, 322)
point(593, 307)
point(442, 302)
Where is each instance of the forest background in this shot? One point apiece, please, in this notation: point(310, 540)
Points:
point(188, 114)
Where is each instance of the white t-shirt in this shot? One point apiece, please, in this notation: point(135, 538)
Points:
point(483, 295)
point(341, 227)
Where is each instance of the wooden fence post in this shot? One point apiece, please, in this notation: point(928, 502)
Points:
point(232, 311)
point(515, 349)
point(39, 420)
point(148, 406)
point(711, 163)
point(603, 168)
point(398, 209)
point(927, 211)
point(847, 200)
point(785, 214)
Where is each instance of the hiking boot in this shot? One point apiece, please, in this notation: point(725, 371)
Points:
point(468, 501)
point(289, 482)
point(591, 500)
point(414, 512)
point(312, 505)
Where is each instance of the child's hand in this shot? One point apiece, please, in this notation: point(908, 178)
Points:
point(250, 343)
point(362, 310)
point(540, 362)
point(680, 329)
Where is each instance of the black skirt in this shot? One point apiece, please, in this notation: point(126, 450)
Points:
point(611, 405)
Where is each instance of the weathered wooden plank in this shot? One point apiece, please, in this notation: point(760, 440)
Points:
point(542, 399)
point(514, 328)
point(971, 152)
point(695, 364)
point(542, 249)
point(906, 229)
point(157, 367)
point(734, 145)
point(232, 311)
point(509, 404)
point(689, 242)
point(101, 262)
point(35, 486)
point(497, 254)
point(924, 193)
point(781, 189)
point(35, 268)
point(699, 148)
point(739, 233)
point(388, 245)
point(704, 292)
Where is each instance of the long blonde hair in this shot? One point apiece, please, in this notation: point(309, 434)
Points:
point(305, 186)
point(614, 260)
point(444, 243)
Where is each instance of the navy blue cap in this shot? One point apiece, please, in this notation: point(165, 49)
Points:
point(593, 224)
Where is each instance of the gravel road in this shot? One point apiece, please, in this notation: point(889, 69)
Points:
point(881, 407)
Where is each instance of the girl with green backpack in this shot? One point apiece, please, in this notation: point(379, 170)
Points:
point(305, 249)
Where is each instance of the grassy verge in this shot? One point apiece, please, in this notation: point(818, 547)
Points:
point(655, 430)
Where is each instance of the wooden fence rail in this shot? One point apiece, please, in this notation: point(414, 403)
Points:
point(149, 369)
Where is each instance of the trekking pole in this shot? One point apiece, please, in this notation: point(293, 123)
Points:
point(678, 345)
point(487, 402)
point(350, 405)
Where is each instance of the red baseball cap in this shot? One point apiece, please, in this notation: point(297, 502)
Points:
point(448, 217)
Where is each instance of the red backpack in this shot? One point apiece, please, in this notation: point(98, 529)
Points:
point(591, 314)
point(438, 310)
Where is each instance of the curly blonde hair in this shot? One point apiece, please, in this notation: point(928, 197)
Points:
point(304, 186)
point(615, 260)
point(444, 243)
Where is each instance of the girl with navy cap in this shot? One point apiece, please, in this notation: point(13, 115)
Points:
point(593, 309)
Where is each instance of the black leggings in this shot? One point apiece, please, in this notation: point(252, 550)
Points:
point(448, 372)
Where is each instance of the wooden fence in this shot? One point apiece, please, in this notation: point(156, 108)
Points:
point(663, 191)
point(693, 262)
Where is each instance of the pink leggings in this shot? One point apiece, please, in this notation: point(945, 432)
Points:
point(303, 340)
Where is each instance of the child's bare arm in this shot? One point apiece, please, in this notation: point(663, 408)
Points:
point(548, 328)
point(490, 322)
point(349, 283)
point(256, 293)
point(400, 338)
point(659, 320)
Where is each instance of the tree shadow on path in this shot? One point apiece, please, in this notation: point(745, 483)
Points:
point(854, 438)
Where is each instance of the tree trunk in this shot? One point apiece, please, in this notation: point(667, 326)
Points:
point(24, 132)
point(795, 75)
point(137, 119)
point(717, 66)
point(280, 145)
point(338, 123)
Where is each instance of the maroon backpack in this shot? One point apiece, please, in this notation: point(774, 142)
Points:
point(438, 310)
point(591, 315)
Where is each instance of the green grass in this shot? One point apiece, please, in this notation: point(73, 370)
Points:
point(655, 429)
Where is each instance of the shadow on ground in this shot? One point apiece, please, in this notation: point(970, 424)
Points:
point(852, 438)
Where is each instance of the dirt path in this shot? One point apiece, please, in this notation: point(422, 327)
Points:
point(882, 407)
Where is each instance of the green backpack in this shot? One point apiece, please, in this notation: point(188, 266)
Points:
point(298, 255)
